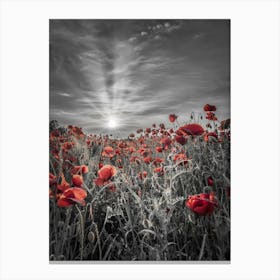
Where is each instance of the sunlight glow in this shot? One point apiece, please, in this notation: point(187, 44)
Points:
point(112, 123)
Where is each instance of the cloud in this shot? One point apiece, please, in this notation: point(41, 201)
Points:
point(132, 39)
point(143, 33)
point(64, 94)
point(96, 71)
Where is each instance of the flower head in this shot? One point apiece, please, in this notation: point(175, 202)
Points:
point(202, 204)
point(192, 129)
point(208, 107)
point(172, 118)
point(107, 172)
point(72, 196)
point(77, 180)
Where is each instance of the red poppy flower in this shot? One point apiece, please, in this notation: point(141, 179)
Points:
point(77, 180)
point(208, 107)
point(211, 116)
point(209, 135)
point(142, 175)
point(225, 124)
point(139, 130)
point(143, 152)
point(148, 159)
point(131, 150)
point(148, 130)
point(79, 169)
point(172, 118)
point(159, 170)
point(166, 142)
point(51, 194)
point(192, 129)
point(67, 146)
point(99, 182)
point(158, 161)
point(181, 139)
point(72, 196)
point(122, 145)
point(52, 179)
point(55, 133)
point(64, 185)
point(202, 204)
point(159, 149)
point(181, 157)
point(135, 159)
point(210, 181)
point(108, 152)
point(76, 131)
point(107, 172)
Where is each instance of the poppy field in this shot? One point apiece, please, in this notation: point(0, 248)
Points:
point(160, 194)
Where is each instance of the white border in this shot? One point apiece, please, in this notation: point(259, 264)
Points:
point(255, 138)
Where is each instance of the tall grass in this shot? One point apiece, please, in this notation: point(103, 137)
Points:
point(144, 219)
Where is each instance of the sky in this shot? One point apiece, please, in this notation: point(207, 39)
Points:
point(114, 76)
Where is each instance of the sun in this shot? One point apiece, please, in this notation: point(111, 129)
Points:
point(112, 123)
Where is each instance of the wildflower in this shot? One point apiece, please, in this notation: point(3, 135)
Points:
point(158, 161)
point(107, 172)
point(211, 116)
point(159, 149)
point(52, 179)
point(192, 129)
point(67, 146)
point(142, 175)
point(202, 204)
point(77, 180)
point(172, 118)
point(208, 136)
point(210, 181)
point(72, 196)
point(181, 158)
point(147, 160)
point(79, 169)
point(159, 170)
point(108, 151)
point(162, 126)
point(208, 107)
point(166, 142)
point(64, 185)
point(181, 139)
point(225, 124)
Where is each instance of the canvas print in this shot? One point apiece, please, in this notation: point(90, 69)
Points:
point(139, 140)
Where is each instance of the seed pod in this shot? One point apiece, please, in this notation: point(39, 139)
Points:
point(91, 237)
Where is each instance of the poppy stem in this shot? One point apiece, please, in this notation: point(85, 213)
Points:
point(202, 247)
point(81, 232)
